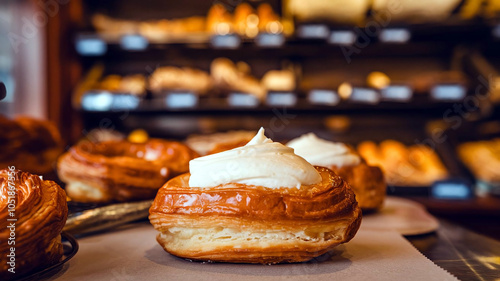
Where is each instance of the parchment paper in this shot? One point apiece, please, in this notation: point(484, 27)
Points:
point(132, 253)
point(402, 215)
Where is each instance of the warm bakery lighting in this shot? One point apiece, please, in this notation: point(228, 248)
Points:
point(252, 28)
point(222, 28)
point(378, 80)
point(138, 136)
point(274, 27)
point(345, 90)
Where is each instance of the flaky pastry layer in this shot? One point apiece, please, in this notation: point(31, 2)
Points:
point(253, 224)
point(40, 213)
point(121, 170)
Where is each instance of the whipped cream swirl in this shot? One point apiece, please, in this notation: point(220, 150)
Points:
point(324, 153)
point(260, 162)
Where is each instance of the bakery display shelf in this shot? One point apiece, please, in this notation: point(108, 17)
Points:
point(189, 103)
point(487, 129)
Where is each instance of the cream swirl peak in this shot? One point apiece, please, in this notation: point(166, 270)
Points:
point(261, 162)
point(324, 153)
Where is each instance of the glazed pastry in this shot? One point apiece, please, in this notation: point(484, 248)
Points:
point(119, 171)
point(482, 158)
point(175, 78)
point(228, 77)
point(415, 165)
point(218, 142)
point(29, 144)
point(40, 213)
point(366, 181)
point(259, 203)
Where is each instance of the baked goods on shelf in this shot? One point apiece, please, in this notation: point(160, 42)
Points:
point(410, 11)
point(414, 165)
point(176, 78)
point(39, 212)
point(119, 171)
point(130, 84)
point(482, 158)
point(279, 80)
point(336, 11)
point(227, 76)
point(29, 144)
point(218, 142)
point(259, 203)
point(367, 181)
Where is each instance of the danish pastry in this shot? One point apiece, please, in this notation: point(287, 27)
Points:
point(29, 144)
point(120, 170)
point(35, 211)
point(259, 203)
point(367, 181)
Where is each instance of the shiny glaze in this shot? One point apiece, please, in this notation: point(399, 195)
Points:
point(124, 170)
point(41, 213)
point(330, 198)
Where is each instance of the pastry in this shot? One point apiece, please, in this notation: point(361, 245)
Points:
point(410, 11)
point(175, 78)
point(218, 142)
point(29, 144)
point(219, 20)
point(415, 165)
point(366, 181)
point(132, 84)
point(119, 171)
point(39, 212)
point(259, 203)
point(482, 158)
point(279, 80)
point(269, 21)
point(228, 77)
point(336, 11)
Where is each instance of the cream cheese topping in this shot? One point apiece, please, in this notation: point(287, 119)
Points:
point(324, 153)
point(260, 162)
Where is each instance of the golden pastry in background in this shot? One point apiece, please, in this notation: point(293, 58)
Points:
point(415, 165)
point(482, 158)
point(176, 78)
point(29, 144)
point(218, 142)
point(40, 212)
point(120, 171)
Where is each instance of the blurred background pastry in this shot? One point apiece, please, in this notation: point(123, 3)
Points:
point(29, 144)
point(217, 142)
point(482, 158)
point(120, 171)
point(414, 165)
point(176, 78)
point(367, 181)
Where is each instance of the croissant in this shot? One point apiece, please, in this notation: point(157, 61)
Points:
point(121, 170)
point(32, 215)
point(252, 224)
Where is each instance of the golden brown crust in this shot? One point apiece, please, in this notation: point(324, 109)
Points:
point(264, 225)
point(121, 170)
point(29, 144)
point(41, 212)
point(367, 182)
